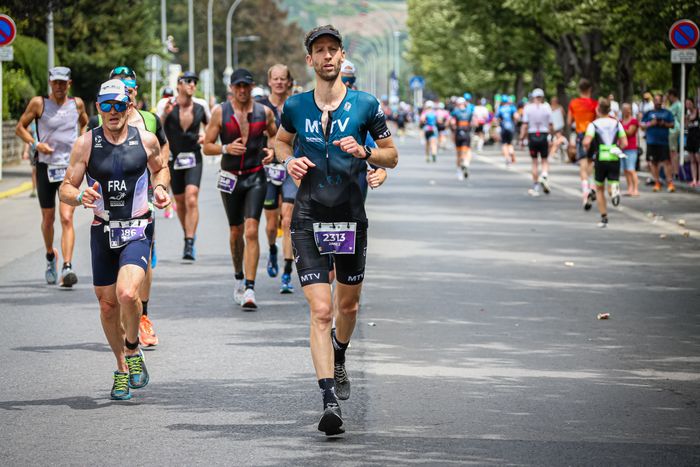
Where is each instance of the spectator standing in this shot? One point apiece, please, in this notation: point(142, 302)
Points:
point(676, 108)
point(693, 140)
point(629, 163)
point(657, 123)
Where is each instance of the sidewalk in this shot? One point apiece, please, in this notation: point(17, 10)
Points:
point(16, 179)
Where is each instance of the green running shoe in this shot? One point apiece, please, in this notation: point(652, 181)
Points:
point(138, 374)
point(120, 388)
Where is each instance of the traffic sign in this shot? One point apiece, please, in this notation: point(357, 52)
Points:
point(684, 34)
point(6, 54)
point(684, 56)
point(417, 82)
point(8, 30)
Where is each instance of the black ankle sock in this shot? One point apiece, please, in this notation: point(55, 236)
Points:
point(239, 276)
point(338, 348)
point(249, 284)
point(273, 249)
point(144, 304)
point(327, 386)
point(50, 256)
point(288, 266)
point(67, 265)
point(189, 241)
point(131, 346)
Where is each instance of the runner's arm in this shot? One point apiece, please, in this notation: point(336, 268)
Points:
point(30, 113)
point(211, 134)
point(271, 131)
point(588, 139)
point(82, 115)
point(69, 191)
point(158, 166)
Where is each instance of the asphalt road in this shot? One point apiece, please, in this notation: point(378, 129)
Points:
point(477, 341)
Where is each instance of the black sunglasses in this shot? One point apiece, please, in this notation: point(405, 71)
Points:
point(187, 80)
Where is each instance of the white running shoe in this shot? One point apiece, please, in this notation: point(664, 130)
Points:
point(545, 184)
point(248, 302)
point(615, 189)
point(460, 174)
point(238, 290)
point(533, 192)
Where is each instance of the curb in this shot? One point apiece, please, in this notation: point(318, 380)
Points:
point(26, 186)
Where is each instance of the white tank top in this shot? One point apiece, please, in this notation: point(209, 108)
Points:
point(58, 127)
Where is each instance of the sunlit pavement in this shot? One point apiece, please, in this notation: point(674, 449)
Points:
point(477, 341)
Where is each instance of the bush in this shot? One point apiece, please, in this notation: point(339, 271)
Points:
point(17, 90)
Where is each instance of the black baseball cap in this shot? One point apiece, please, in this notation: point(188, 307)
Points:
point(322, 32)
point(188, 75)
point(242, 75)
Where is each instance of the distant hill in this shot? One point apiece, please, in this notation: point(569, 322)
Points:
point(311, 13)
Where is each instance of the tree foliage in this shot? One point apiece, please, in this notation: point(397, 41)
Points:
point(621, 46)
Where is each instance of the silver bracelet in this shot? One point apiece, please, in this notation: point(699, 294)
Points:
point(287, 161)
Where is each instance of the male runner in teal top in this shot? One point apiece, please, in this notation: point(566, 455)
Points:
point(330, 123)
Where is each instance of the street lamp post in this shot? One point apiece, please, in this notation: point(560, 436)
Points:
point(236, 40)
point(163, 25)
point(190, 27)
point(210, 50)
point(229, 19)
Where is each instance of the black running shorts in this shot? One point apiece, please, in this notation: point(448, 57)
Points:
point(606, 170)
point(506, 137)
point(463, 138)
point(179, 179)
point(247, 199)
point(313, 267)
point(658, 153)
point(538, 145)
point(45, 190)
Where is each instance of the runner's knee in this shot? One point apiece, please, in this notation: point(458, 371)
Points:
point(108, 309)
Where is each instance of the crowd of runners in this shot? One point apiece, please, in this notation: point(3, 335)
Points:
point(605, 139)
point(306, 160)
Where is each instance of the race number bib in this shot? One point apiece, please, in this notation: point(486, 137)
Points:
point(335, 238)
point(276, 173)
point(226, 181)
point(185, 160)
point(56, 173)
point(123, 232)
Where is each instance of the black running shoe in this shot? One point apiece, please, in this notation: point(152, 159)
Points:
point(188, 252)
point(593, 195)
point(589, 200)
point(331, 422)
point(342, 382)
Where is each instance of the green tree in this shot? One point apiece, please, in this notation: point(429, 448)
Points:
point(449, 56)
point(94, 37)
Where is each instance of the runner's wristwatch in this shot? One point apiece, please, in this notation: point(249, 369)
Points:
point(368, 152)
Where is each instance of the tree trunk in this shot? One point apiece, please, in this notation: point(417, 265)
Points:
point(625, 74)
point(538, 80)
point(519, 86)
point(591, 45)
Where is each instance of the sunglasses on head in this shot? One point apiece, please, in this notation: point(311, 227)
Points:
point(188, 81)
point(123, 70)
point(118, 106)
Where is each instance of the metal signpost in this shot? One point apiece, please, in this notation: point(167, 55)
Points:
point(417, 83)
point(684, 36)
point(8, 31)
